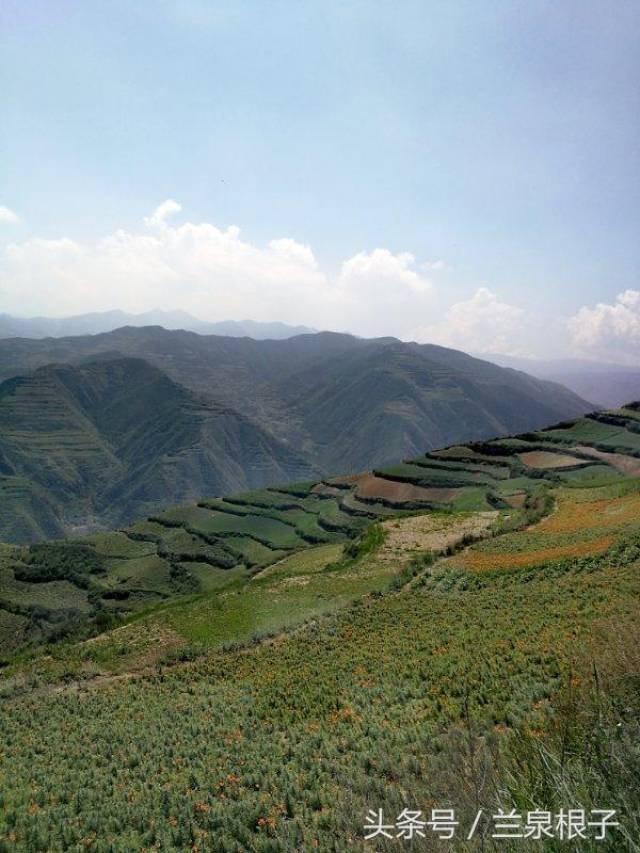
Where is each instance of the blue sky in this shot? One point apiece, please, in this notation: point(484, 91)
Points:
point(488, 150)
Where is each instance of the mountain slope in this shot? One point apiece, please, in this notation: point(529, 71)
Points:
point(384, 399)
point(346, 403)
point(109, 441)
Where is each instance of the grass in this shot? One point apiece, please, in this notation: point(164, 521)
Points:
point(268, 705)
point(450, 691)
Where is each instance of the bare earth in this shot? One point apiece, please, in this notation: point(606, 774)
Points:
point(405, 536)
point(370, 486)
point(548, 459)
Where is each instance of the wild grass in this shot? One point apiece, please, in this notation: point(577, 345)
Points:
point(285, 745)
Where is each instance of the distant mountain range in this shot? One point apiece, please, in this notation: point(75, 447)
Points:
point(99, 430)
point(107, 321)
point(606, 385)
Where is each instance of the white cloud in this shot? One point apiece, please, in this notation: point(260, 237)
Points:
point(481, 324)
point(382, 292)
point(213, 273)
point(8, 217)
point(381, 270)
point(609, 331)
point(160, 214)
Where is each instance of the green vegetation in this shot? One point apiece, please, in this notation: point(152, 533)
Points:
point(52, 591)
point(101, 431)
point(217, 678)
point(101, 444)
point(388, 700)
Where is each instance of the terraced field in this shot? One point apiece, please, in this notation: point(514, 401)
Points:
point(582, 525)
point(383, 677)
point(203, 547)
point(267, 667)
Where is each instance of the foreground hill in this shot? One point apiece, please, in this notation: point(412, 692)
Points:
point(345, 403)
point(452, 644)
point(103, 443)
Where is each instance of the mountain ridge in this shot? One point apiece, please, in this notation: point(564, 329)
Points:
point(173, 425)
point(109, 440)
point(255, 376)
point(607, 385)
point(106, 321)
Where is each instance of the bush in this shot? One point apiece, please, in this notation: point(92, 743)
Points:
point(52, 561)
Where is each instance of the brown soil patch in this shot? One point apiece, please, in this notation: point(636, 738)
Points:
point(428, 533)
point(548, 459)
point(626, 464)
point(480, 561)
point(370, 486)
point(324, 489)
point(348, 480)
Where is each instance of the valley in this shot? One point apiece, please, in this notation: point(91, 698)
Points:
point(98, 431)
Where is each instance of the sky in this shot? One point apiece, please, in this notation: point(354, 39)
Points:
point(464, 173)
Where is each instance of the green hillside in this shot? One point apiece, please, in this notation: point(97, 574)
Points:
point(346, 404)
point(456, 631)
point(99, 444)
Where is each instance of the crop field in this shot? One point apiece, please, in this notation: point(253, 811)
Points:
point(368, 486)
point(626, 464)
point(582, 524)
point(594, 432)
point(423, 694)
point(618, 513)
point(272, 665)
point(423, 475)
point(238, 608)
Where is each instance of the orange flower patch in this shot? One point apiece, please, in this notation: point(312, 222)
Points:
point(574, 517)
point(481, 561)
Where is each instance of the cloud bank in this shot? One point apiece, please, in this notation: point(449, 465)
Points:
point(216, 274)
point(213, 273)
point(609, 331)
point(482, 324)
